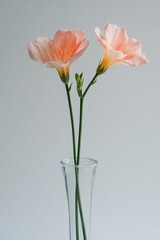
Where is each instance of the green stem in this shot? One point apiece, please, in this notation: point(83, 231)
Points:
point(74, 155)
point(80, 207)
point(90, 84)
point(76, 208)
point(77, 180)
point(80, 129)
point(72, 122)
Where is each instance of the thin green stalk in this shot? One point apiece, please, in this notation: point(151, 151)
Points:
point(80, 129)
point(90, 84)
point(72, 122)
point(76, 209)
point(77, 171)
point(78, 160)
point(80, 208)
point(74, 155)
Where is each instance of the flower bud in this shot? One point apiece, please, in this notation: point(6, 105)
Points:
point(79, 80)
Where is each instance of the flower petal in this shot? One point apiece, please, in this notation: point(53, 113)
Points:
point(101, 39)
point(136, 61)
point(111, 57)
point(132, 46)
point(68, 43)
point(40, 50)
point(119, 48)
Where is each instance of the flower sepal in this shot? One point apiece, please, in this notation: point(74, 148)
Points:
point(64, 77)
point(101, 69)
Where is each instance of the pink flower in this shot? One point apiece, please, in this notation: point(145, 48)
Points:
point(59, 52)
point(119, 48)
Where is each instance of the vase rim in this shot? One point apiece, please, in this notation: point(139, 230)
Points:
point(84, 162)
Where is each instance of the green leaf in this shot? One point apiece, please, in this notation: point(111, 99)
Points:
point(95, 80)
point(70, 86)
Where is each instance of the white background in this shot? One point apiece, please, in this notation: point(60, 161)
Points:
point(121, 123)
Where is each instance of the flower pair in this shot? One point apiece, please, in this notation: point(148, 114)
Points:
point(67, 46)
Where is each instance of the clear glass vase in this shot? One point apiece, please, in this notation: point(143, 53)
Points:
point(79, 183)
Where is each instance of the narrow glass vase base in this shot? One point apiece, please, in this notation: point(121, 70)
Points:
point(79, 183)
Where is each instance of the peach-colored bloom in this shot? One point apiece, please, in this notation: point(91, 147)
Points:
point(119, 48)
point(59, 52)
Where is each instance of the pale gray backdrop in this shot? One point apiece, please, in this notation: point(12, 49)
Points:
point(121, 123)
